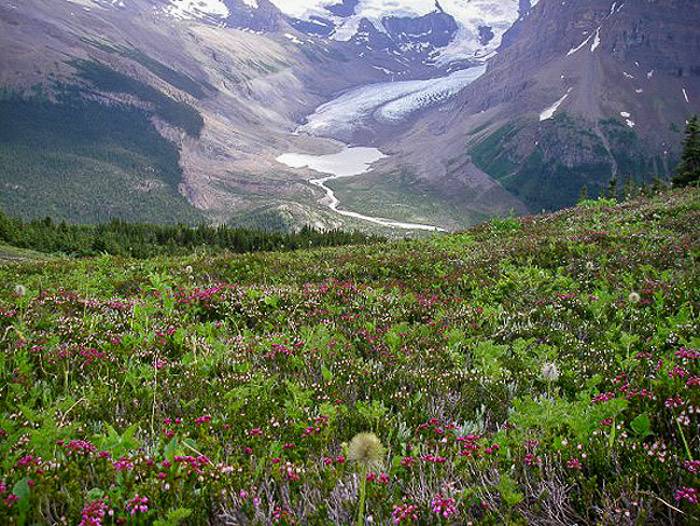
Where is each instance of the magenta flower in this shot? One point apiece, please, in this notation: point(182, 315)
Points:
point(687, 494)
point(200, 420)
point(446, 507)
point(94, 513)
point(137, 504)
point(574, 463)
point(405, 514)
point(692, 466)
point(123, 464)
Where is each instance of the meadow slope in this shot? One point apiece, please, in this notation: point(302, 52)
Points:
point(543, 370)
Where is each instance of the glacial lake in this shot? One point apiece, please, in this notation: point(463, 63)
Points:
point(347, 163)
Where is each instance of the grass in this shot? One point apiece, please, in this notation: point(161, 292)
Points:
point(399, 196)
point(534, 370)
point(10, 254)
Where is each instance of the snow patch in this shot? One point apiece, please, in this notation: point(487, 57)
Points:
point(196, 9)
point(549, 112)
point(292, 38)
point(596, 40)
point(580, 46)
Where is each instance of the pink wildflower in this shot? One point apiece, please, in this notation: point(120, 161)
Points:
point(446, 507)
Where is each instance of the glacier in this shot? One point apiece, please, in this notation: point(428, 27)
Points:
point(385, 103)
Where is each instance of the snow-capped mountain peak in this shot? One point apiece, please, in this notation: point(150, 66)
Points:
point(480, 23)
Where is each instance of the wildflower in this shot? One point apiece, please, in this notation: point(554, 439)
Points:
point(688, 494)
point(692, 466)
point(123, 464)
point(80, 447)
point(574, 463)
point(205, 419)
point(634, 297)
point(94, 513)
point(136, 505)
point(20, 291)
point(687, 354)
point(673, 402)
point(367, 450)
point(603, 397)
point(405, 514)
point(530, 459)
point(189, 269)
point(407, 462)
point(550, 372)
point(446, 507)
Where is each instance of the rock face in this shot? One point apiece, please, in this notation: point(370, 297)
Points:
point(581, 91)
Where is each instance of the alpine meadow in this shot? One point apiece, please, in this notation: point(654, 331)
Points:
point(349, 262)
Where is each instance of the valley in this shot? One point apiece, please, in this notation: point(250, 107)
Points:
point(452, 94)
point(349, 262)
point(347, 163)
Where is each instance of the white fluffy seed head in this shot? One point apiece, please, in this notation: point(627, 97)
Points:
point(367, 450)
point(550, 372)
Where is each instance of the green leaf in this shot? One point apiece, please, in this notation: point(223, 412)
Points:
point(326, 373)
point(641, 425)
point(174, 518)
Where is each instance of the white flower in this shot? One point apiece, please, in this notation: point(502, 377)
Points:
point(550, 372)
point(634, 297)
point(189, 269)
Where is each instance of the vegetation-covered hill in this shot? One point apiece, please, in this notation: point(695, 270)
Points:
point(543, 370)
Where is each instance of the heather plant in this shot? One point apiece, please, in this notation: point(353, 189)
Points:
point(546, 370)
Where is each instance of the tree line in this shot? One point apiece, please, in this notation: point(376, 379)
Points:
point(138, 240)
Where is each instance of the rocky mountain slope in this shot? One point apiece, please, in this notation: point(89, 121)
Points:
point(185, 105)
point(585, 90)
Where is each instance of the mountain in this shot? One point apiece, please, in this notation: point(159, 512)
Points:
point(584, 91)
point(175, 110)
point(179, 110)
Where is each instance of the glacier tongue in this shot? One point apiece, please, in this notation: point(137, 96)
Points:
point(385, 103)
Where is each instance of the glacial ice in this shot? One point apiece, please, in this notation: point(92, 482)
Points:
point(386, 102)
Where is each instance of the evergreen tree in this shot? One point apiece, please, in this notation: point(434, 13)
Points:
point(657, 185)
point(611, 191)
point(583, 195)
point(630, 189)
point(689, 168)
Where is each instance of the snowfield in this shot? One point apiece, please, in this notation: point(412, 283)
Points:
point(470, 15)
point(385, 103)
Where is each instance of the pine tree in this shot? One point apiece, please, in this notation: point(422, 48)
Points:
point(611, 191)
point(583, 195)
point(630, 190)
point(689, 169)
